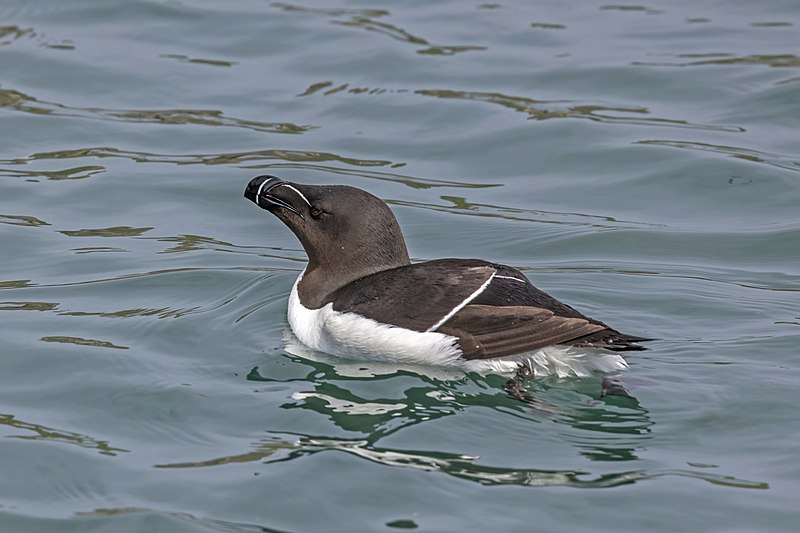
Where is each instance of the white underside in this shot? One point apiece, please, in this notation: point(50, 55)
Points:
point(352, 336)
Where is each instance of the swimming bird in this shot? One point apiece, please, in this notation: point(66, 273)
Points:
point(360, 297)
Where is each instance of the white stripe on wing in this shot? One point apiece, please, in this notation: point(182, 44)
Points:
point(460, 306)
point(509, 277)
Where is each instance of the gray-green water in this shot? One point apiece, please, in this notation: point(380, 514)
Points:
point(641, 162)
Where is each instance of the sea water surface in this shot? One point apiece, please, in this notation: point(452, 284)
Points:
point(638, 161)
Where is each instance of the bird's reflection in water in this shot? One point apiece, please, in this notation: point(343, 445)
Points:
point(601, 428)
point(600, 418)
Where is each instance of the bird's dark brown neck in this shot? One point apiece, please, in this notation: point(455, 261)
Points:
point(319, 283)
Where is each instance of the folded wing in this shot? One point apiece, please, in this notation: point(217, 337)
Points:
point(416, 297)
point(493, 310)
point(486, 331)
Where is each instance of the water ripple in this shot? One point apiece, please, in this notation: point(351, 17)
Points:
point(345, 87)
point(28, 306)
point(771, 24)
point(211, 524)
point(466, 467)
point(537, 110)
point(257, 159)
point(9, 34)
point(724, 59)
point(116, 231)
point(460, 206)
point(56, 435)
point(25, 283)
point(98, 249)
point(365, 19)
point(22, 220)
point(199, 61)
point(399, 34)
point(460, 466)
point(410, 181)
point(547, 26)
point(74, 173)
point(15, 284)
point(18, 101)
point(532, 108)
point(755, 156)
point(164, 312)
point(225, 158)
point(331, 12)
point(629, 7)
point(83, 342)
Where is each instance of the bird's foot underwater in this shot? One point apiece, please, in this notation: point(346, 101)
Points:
point(516, 388)
point(610, 387)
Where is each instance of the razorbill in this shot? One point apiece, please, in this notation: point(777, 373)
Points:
point(360, 297)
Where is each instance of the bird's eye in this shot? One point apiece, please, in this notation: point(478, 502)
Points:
point(316, 212)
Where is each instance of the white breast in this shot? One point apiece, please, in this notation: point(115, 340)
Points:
point(356, 337)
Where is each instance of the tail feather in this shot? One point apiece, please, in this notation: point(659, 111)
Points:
point(611, 340)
